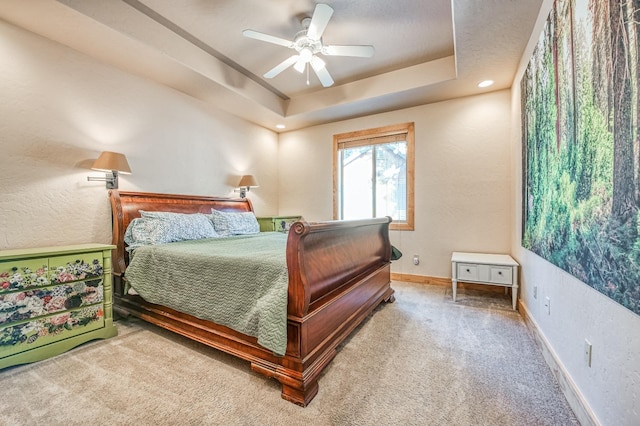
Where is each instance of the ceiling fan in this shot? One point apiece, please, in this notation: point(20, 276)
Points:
point(308, 44)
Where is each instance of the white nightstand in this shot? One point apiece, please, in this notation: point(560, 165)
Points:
point(482, 268)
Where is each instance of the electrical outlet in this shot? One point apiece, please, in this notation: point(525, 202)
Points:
point(547, 304)
point(416, 259)
point(587, 353)
point(535, 291)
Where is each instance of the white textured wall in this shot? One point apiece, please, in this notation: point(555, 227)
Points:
point(59, 109)
point(462, 178)
point(610, 388)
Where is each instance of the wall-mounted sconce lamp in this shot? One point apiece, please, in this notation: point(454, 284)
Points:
point(111, 163)
point(246, 183)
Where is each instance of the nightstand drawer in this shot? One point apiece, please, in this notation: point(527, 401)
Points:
point(277, 223)
point(485, 268)
point(467, 272)
point(500, 275)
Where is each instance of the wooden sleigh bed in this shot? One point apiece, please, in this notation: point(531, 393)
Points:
point(338, 273)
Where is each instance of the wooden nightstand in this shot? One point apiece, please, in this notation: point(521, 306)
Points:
point(481, 268)
point(53, 299)
point(277, 223)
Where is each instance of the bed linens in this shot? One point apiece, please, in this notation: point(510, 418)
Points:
point(240, 282)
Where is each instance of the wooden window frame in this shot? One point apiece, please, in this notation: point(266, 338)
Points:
point(372, 137)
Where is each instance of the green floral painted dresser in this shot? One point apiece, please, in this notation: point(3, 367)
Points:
point(53, 299)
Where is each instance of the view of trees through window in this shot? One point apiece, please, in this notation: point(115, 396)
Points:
point(374, 181)
point(373, 175)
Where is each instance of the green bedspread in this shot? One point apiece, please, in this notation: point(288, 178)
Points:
point(240, 282)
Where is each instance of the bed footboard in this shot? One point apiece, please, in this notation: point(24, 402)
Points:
point(324, 257)
point(339, 272)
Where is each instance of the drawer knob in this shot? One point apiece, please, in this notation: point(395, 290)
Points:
point(499, 272)
point(467, 269)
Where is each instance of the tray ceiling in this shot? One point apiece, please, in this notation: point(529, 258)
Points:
point(425, 51)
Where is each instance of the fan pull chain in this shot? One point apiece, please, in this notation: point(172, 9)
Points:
point(307, 67)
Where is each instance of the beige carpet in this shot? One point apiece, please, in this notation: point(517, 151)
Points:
point(422, 360)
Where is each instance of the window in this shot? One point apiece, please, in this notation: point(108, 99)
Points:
point(373, 174)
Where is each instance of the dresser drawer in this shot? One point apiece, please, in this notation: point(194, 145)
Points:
point(500, 275)
point(24, 273)
point(37, 302)
point(29, 335)
point(467, 272)
point(75, 267)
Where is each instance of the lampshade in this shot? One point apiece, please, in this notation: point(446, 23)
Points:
point(248, 181)
point(109, 161)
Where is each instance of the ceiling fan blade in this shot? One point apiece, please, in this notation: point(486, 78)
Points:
point(281, 66)
point(268, 38)
point(319, 21)
point(317, 63)
point(320, 69)
point(359, 51)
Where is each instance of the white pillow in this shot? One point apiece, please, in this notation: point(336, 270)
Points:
point(234, 223)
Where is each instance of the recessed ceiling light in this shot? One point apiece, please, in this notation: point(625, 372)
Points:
point(280, 126)
point(485, 83)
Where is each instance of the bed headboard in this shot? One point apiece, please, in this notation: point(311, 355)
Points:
point(125, 207)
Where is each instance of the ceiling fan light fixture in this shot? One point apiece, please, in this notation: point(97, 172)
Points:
point(306, 54)
point(300, 66)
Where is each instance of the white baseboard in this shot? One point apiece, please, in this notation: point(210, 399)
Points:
point(580, 407)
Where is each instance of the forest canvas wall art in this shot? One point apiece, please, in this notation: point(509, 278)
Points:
point(581, 161)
